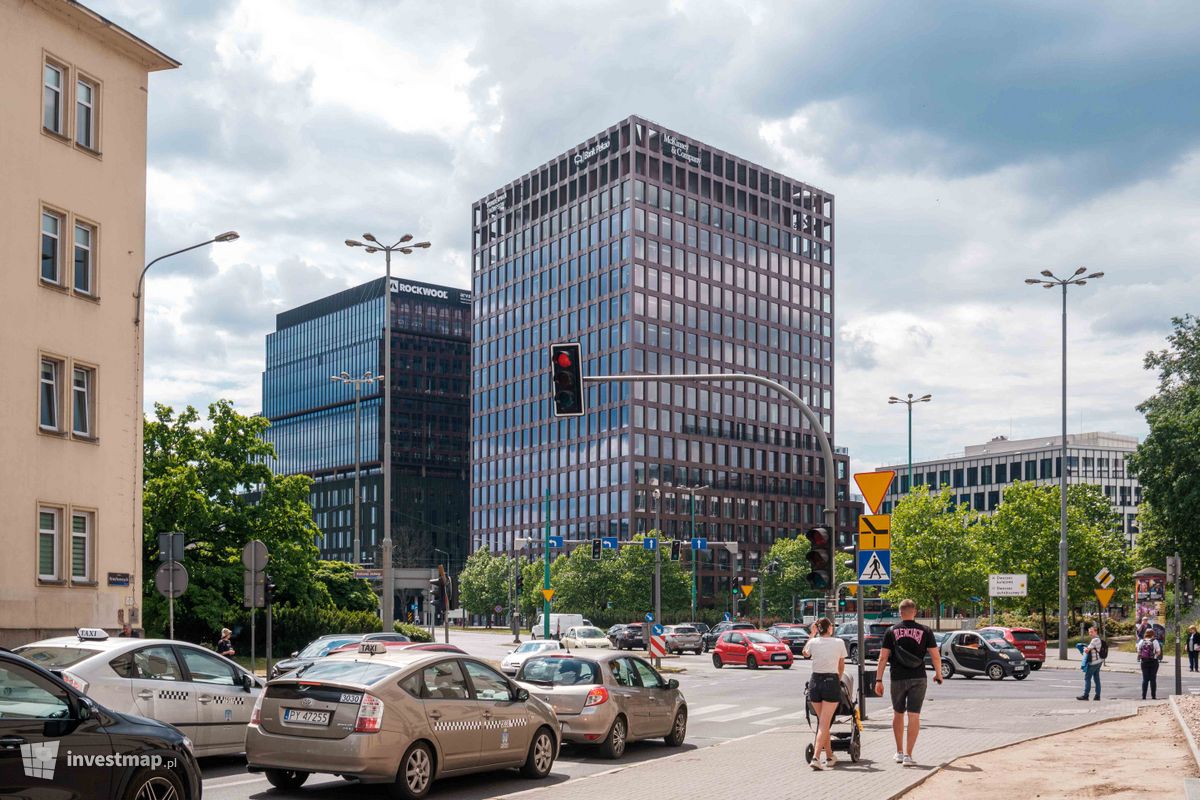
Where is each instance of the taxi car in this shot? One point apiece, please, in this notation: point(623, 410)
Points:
point(48, 727)
point(607, 699)
point(399, 717)
point(205, 695)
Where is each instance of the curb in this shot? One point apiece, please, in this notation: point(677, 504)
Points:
point(942, 766)
point(1173, 702)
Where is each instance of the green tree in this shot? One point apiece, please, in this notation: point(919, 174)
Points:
point(632, 587)
point(196, 480)
point(484, 583)
point(1167, 462)
point(789, 580)
point(938, 553)
point(583, 585)
point(1153, 544)
point(1023, 536)
point(343, 589)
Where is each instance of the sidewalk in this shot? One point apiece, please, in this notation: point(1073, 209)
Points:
point(772, 763)
point(1116, 662)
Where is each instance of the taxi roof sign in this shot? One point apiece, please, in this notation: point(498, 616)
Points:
point(92, 634)
point(373, 648)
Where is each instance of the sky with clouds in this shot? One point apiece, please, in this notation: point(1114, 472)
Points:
point(969, 146)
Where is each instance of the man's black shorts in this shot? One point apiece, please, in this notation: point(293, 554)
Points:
point(825, 687)
point(908, 695)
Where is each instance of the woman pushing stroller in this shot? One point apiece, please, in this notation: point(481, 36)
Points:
point(828, 654)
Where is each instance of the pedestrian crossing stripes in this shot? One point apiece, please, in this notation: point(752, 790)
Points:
point(697, 712)
point(771, 715)
point(756, 711)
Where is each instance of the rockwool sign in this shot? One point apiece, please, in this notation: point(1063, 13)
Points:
point(423, 291)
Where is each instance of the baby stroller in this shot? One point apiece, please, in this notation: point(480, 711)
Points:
point(846, 714)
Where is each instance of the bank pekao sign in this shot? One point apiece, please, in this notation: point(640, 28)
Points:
point(677, 147)
point(584, 156)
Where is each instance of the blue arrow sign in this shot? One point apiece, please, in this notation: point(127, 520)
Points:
point(649, 543)
point(649, 616)
point(728, 616)
point(874, 567)
point(656, 629)
point(556, 541)
point(609, 543)
point(699, 544)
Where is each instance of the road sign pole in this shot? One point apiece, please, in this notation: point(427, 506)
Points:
point(1178, 671)
point(692, 509)
point(658, 564)
point(862, 647)
point(546, 575)
point(171, 601)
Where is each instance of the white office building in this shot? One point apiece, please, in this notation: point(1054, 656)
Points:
point(979, 475)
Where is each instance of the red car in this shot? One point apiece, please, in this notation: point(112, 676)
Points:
point(1028, 641)
point(753, 648)
point(436, 647)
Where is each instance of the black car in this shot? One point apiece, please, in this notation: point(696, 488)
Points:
point(613, 632)
point(324, 645)
point(710, 638)
point(968, 654)
point(872, 638)
point(631, 637)
point(55, 741)
point(794, 636)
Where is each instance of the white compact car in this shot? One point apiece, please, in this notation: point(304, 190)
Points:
point(515, 658)
point(208, 697)
point(584, 636)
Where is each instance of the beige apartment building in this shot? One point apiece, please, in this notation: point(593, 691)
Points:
point(73, 93)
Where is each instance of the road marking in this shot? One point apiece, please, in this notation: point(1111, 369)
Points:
point(696, 712)
point(781, 717)
point(757, 711)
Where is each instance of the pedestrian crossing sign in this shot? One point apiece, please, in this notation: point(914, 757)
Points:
point(874, 567)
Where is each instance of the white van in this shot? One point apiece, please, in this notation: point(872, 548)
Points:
point(559, 623)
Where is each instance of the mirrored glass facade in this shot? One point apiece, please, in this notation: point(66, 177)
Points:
point(659, 254)
point(312, 416)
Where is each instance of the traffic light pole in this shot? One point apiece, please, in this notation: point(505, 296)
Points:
point(813, 419)
point(546, 575)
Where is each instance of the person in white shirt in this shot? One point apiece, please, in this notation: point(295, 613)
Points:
point(828, 654)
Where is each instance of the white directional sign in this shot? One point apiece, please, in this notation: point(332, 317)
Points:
point(1008, 585)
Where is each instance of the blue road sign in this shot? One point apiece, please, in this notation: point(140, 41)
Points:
point(874, 567)
point(649, 616)
point(699, 544)
point(556, 541)
point(656, 629)
point(609, 543)
point(976, 599)
point(649, 543)
point(728, 616)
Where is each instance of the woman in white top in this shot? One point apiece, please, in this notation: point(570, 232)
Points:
point(828, 654)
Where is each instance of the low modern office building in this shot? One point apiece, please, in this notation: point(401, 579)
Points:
point(979, 476)
point(660, 254)
point(73, 222)
point(313, 420)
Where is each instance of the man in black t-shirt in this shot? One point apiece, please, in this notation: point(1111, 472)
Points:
point(905, 646)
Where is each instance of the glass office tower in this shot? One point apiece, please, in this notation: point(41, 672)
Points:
point(659, 254)
point(312, 417)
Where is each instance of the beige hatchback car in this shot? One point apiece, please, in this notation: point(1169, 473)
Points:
point(399, 717)
point(607, 699)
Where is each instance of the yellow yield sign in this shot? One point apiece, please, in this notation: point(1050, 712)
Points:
point(1104, 596)
point(747, 588)
point(874, 486)
point(548, 594)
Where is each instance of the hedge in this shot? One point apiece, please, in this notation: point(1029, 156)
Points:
point(414, 632)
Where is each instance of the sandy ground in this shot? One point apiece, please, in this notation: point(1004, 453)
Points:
point(1137, 757)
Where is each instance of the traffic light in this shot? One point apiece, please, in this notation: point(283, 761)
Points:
point(596, 545)
point(568, 380)
point(435, 592)
point(520, 581)
point(676, 548)
point(268, 589)
point(819, 558)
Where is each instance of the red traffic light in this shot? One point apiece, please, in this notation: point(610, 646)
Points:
point(564, 360)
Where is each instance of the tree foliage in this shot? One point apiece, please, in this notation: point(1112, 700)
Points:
point(343, 589)
point(196, 479)
point(789, 580)
point(484, 582)
point(1167, 462)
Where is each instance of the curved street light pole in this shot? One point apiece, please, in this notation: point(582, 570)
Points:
point(388, 600)
point(1049, 280)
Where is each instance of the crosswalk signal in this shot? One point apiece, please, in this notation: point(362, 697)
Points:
point(819, 558)
point(435, 591)
point(596, 549)
point(568, 379)
point(676, 548)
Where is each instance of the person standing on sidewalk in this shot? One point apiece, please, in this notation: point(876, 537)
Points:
point(1093, 654)
point(1193, 648)
point(1149, 651)
point(905, 646)
point(828, 654)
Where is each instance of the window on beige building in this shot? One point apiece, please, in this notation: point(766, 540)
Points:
point(83, 383)
point(82, 523)
point(85, 258)
point(86, 97)
point(52, 246)
point(53, 85)
point(49, 542)
point(50, 395)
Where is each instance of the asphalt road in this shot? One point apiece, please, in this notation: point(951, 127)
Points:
point(723, 704)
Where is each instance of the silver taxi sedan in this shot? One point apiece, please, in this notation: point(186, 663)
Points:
point(607, 699)
point(400, 717)
point(208, 697)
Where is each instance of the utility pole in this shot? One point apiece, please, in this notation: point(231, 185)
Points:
point(657, 568)
point(546, 575)
point(691, 490)
point(1178, 628)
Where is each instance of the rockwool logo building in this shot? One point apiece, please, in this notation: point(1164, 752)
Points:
point(39, 759)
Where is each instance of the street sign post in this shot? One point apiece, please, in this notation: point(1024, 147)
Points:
point(656, 629)
point(699, 543)
point(609, 543)
point(1105, 578)
point(556, 541)
point(1008, 585)
point(171, 580)
point(747, 588)
point(872, 559)
point(658, 647)
point(254, 595)
point(650, 543)
point(170, 546)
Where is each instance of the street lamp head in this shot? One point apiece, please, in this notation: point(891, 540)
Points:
point(227, 236)
point(1048, 285)
point(354, 243)
point(1095, 275)
point(372, 249)
point(1081, 270)
point(405, 238)
point(893, 400)
point(1032, 281)
point(344, 375)
point(406, 250)
point(335, 377)
point(1048, 273)
point(370, 237)
point(422, 245)
point(1079, 283)
point(925, 399)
